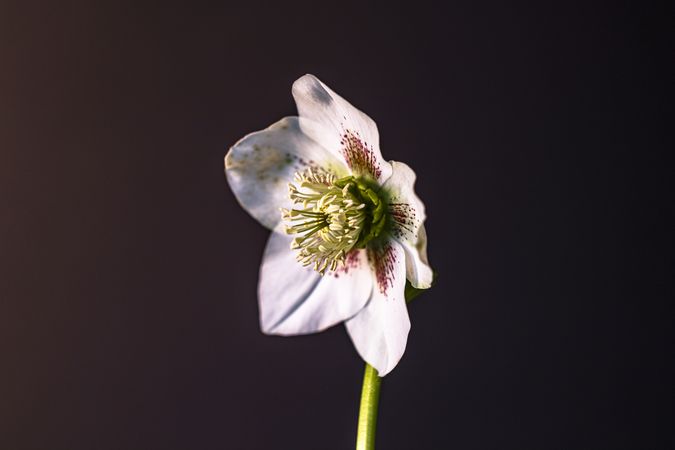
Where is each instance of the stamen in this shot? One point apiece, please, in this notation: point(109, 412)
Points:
point(329, 217)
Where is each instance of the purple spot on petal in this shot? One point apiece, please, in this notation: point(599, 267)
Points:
point(383, 260)
point(404, 218)
point(359, 156)
point(351, 261)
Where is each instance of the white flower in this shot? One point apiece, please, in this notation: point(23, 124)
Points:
point(347, 227)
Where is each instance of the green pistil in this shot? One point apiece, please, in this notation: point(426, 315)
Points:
point(375, 208)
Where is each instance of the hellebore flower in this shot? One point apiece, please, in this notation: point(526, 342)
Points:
point(347, 227)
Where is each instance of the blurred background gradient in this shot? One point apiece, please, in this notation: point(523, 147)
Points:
point(539, 133)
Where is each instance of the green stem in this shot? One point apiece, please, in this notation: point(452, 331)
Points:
point(370, 395)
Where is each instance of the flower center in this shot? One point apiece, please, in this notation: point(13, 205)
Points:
point(331, 217)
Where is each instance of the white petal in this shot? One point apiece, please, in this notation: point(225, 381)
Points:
point(380, 331)
point(297, 300)
point(260, 166)
point(408, 213)
point(339, 127)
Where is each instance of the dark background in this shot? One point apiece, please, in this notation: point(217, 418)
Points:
point(128, 315)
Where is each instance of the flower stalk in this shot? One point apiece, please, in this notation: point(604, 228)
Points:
point(370, 396)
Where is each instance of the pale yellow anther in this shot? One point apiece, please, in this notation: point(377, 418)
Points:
point(327, 219)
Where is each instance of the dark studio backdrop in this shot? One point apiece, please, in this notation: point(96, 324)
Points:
point(539, 133)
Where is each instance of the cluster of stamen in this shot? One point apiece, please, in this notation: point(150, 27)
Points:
point(328, 218)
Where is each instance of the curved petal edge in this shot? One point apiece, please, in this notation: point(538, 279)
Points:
point(297, 300)
point(408, 214)
point(380, 330)
point(260, 165)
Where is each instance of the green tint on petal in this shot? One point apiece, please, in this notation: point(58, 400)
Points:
point(412, 292)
